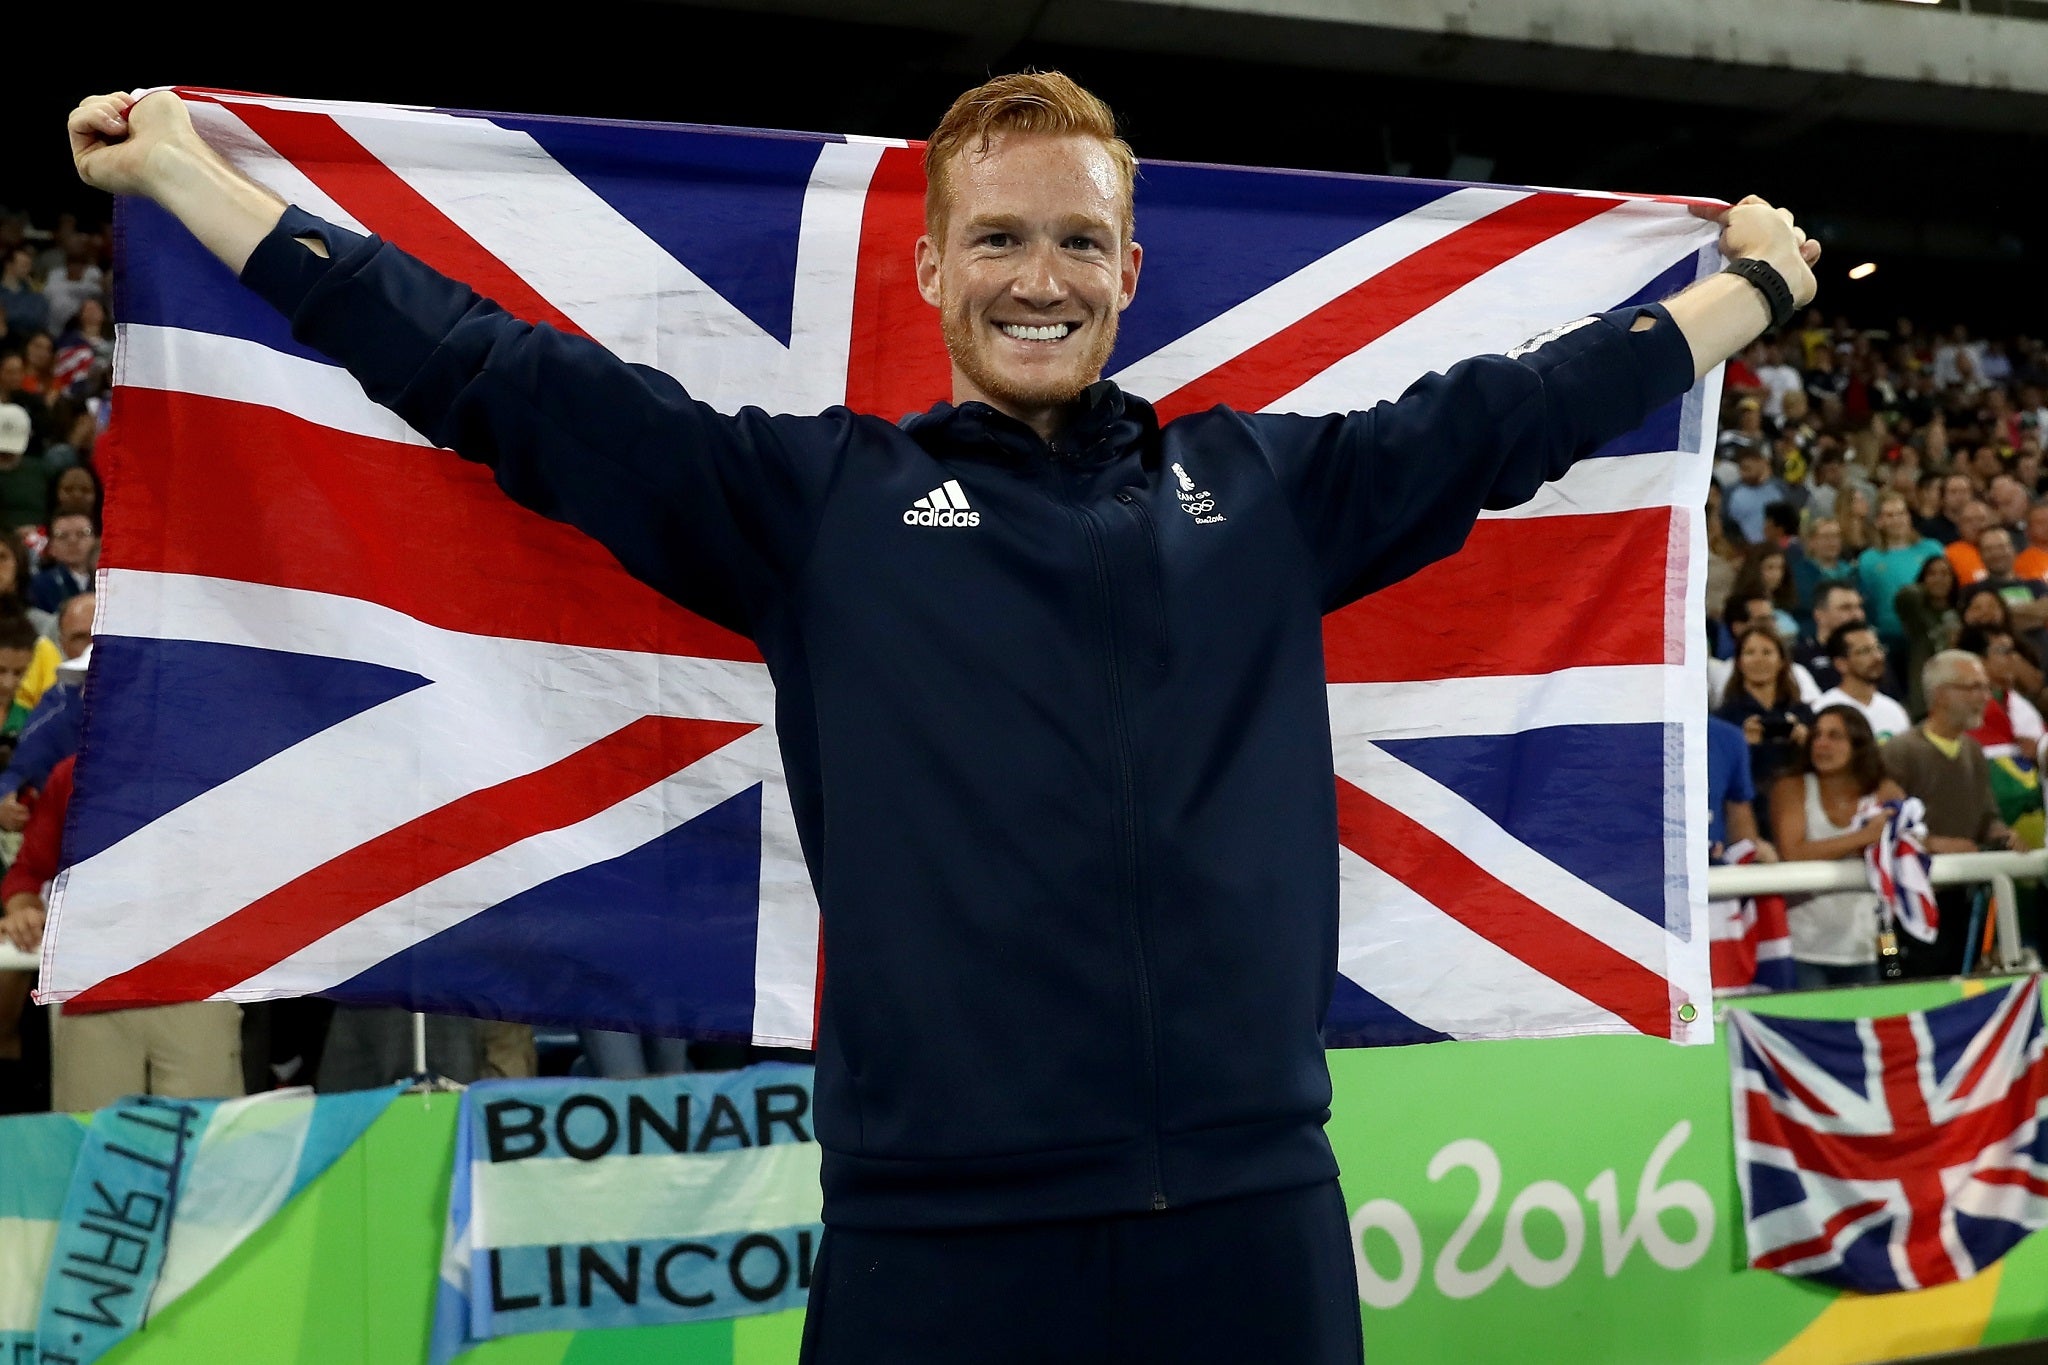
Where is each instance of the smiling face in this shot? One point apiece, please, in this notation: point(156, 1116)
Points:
point(1029, 270)
point(1760, 659)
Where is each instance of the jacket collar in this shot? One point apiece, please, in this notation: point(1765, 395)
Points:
point(1105, 422)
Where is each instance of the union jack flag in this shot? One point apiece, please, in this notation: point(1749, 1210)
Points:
point(1752, 941)
point(1892, 1153)
point(362, 727)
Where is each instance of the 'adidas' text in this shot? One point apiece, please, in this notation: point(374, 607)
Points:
point(945, 505)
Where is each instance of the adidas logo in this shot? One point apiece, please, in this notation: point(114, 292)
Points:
point(945, 505)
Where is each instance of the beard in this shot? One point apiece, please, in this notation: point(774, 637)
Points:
point(968, 345)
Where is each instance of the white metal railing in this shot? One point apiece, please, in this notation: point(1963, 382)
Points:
point(1759, 879)
point(1998, 870)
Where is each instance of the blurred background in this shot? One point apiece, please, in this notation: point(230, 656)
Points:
point(1906, 135)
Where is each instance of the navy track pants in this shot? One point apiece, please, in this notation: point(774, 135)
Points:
point(1266, 1279)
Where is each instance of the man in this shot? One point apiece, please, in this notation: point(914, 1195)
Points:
point(1001, 756)
point(2027, 597)
point(1858, 656)
point(2032, 562)
point(24, 307)
point(1957, 492)
point(1942, 765)
point(24, 485)
point(1831, 482)
point(1835, 605)
point(1778, 379)
point(1753, 492)
point(2011, 731)
point(2009, 507)
point(67, 561)
point(1963, 556)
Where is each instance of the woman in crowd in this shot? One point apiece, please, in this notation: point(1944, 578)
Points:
point(1926, 607)
point(1890, 564)
point(1765, 573)
point(1762, 699)
point(1813, 816)
point(76, 489)
point(1852, 510)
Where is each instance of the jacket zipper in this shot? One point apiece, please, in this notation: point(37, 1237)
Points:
point(1128, 821)
point(1137, 509)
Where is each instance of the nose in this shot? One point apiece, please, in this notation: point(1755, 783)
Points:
point(1039, 281)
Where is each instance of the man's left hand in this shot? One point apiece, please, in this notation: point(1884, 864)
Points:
point(1755, 228)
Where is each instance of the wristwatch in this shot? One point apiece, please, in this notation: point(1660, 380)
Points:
point(1777, 294)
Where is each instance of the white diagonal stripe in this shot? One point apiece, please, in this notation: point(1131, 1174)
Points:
point(546, 679)
point(1625, 483)
point(175, 360)
point(957, 494)
point(623, 288)
point(1584, 269)
point(225, 131)
point(526, 705)
point(1440, 973)
point(1631, 694)
point(1442, 811)
point(1282, 304)
point(516, 869)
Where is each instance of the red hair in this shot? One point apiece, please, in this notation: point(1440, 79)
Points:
point(1032, 102)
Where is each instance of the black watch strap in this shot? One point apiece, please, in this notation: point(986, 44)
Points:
point(1777, 294)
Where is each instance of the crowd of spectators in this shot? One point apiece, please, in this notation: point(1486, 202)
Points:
point(1877, 599)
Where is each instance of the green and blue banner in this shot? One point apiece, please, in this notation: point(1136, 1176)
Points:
point(592, 1203)
point(102, 1226)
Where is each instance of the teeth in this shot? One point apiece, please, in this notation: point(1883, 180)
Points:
point(1053, 333)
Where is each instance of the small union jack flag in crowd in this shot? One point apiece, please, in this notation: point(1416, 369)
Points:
point(1892, 1153)
point(362, 727)
point(1898, 864)
point(1752, 938)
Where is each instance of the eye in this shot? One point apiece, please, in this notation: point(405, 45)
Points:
point(998, 240)
point(1083, 242)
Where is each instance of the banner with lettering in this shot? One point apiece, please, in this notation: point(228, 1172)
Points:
point(155, 1193)
point(593, 1203)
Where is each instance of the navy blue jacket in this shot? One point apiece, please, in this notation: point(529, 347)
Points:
point(1062, 774)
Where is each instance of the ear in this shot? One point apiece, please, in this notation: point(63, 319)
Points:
point(1134, 256)
point(928, 269)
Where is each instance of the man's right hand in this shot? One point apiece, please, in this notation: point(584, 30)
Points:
point(13, 815)
point(114, 138)
point(149, 147)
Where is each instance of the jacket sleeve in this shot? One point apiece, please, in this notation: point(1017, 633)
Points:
point(714, 511)
point(50, 735)
point(42, 842)
point(1382, 493)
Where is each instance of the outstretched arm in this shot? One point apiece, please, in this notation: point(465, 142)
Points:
point(148, 147)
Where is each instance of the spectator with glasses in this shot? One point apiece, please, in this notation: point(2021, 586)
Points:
point(1938, 762)
point(67, 561)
